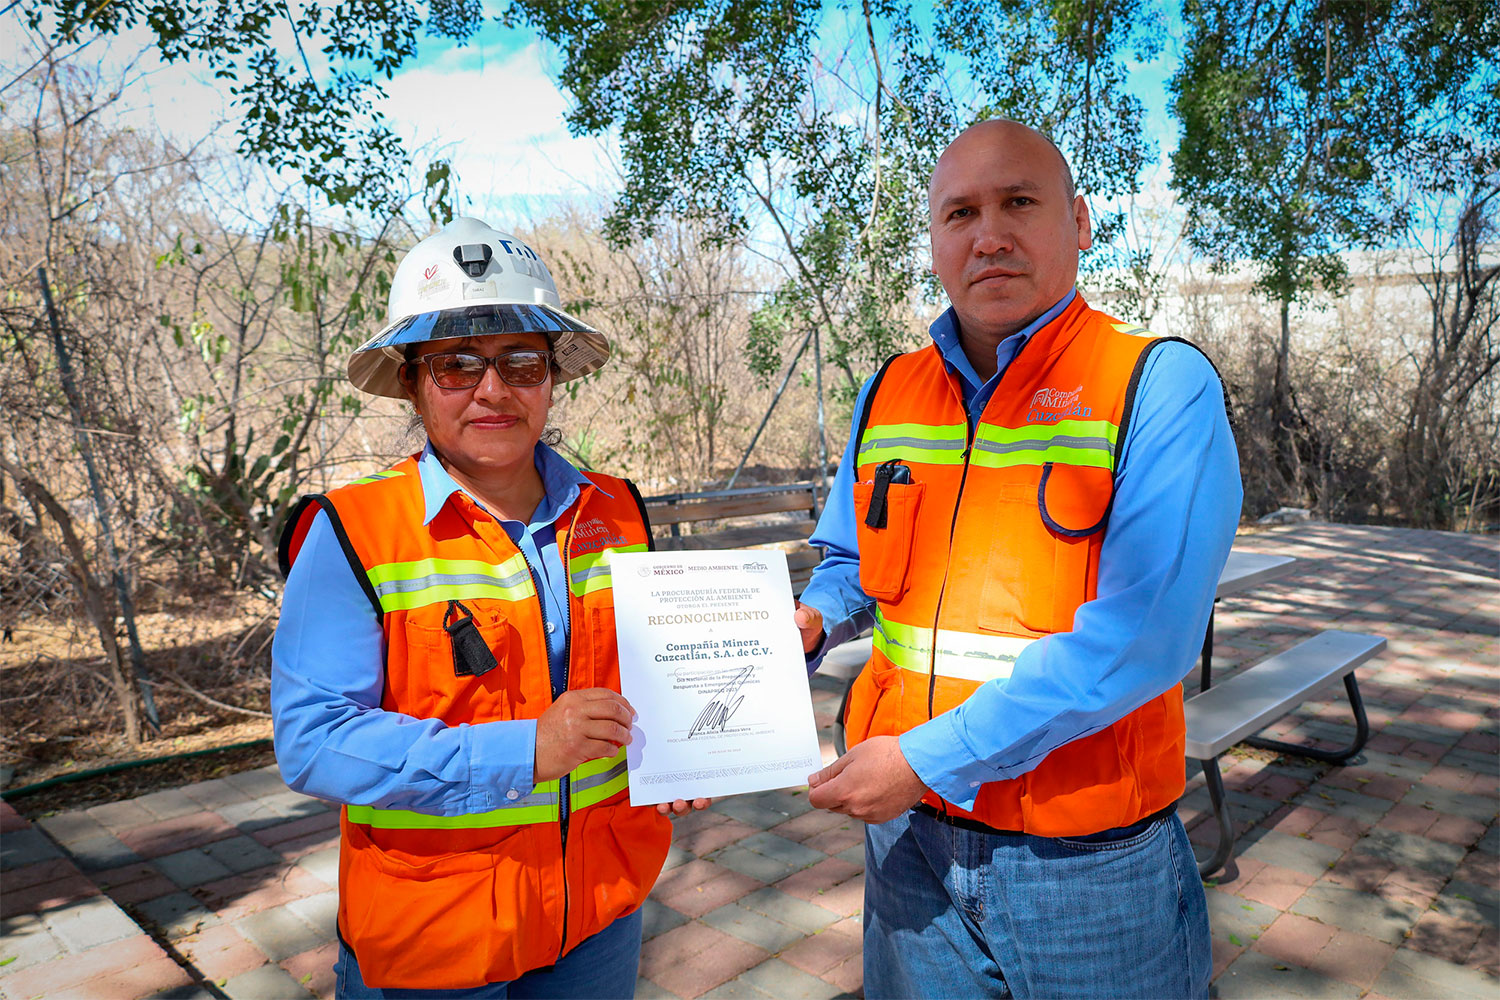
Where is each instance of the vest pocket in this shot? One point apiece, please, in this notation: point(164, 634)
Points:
point(434, 690)
point(885, 553)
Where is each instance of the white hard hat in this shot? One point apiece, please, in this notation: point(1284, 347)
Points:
point(468, 280)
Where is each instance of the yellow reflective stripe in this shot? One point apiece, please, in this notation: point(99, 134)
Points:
point(407, 585)
point(934, 444)
point(596, 780)
point(420, 568)
point(589, 573)
point(538, 807)
point(377, 477)
point(970, 656)
point(1069, 442)
point(1132, 329)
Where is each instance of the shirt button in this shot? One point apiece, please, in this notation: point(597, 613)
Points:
point(973, 784)
point(551, 627)
point(512, 795)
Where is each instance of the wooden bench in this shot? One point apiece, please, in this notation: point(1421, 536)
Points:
point(718, 511)
point(1236, 709)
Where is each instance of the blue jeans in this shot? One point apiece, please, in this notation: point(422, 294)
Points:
point(955, 912)
point(604, 965)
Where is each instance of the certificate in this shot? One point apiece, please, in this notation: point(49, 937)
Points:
point(712, 663)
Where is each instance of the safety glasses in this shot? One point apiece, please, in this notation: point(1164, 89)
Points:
point(457, 370)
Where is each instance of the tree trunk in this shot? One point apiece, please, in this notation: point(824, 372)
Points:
point(90, 594)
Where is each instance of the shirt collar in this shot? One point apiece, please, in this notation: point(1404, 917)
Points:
point(945, 334)
point(559, 478)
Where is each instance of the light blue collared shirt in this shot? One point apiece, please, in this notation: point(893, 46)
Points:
point(1176, 507)
point(334, 741)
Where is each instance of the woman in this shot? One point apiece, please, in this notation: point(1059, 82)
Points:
point(445, 664)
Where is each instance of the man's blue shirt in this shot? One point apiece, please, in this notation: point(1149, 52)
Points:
point(333, 739)
point(1176, 506)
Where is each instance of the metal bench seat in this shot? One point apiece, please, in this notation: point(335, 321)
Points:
point(1229, 712)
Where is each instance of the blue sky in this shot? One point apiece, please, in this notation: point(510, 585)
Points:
point(490, 106)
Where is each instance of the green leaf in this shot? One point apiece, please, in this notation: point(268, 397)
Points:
point(7, 961)
point(1234, 940)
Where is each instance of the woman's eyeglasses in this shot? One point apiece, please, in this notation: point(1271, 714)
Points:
point(464, 371)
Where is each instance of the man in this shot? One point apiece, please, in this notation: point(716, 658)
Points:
point(1033, 512)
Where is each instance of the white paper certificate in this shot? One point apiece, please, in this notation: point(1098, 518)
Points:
point(712, 663)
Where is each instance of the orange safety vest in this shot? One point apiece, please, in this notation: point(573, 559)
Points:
point(446, 902)
point(995, 543)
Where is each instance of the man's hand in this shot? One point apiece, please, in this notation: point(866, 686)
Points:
point(809, 621)
point(579, 726)
point(872, 782)
point(682, 806)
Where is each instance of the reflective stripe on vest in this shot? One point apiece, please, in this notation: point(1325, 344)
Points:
point(406, 585)
point(965, 656)
point(376, 477)
point(1067, 442)
point(589, 572)
point(592, 782)
point(933, 444)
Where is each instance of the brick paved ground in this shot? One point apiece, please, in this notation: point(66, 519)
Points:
point(1378, 879)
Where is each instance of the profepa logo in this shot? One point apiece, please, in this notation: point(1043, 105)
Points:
point(1048, 406)
point(756, 567)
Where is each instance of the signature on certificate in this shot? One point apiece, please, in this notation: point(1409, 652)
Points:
point(725, 702)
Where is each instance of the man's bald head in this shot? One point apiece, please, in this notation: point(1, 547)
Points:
point(1004, 129)
point(1006, 227)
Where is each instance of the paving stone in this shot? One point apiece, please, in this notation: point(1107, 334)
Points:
point(178, 915)
point(783, 849)
point(1365, 808)
point(676, 856)
point(250, 815)
point(20, 848)
point(241, 854)
point(788, 910)
point(1479, 808)
point(257, 783)
point(1472, 903)
point(1382, 919)
point(101, 853)
point(321, 911)
point(130, 967)
point(645, 989)
point(1255, 976)
point(748, 810)
point(756, 866)
point(322, 865)
point(190, 868)
point(280, 933)
point(294, 805)
point(1490, 842)
point(1297, 853)
point(657, 918)
point(854, 855)
point(169, 804)
point(269, 982)
point(180, 833)
point(1413, 974)
point(748, 925)
point(118, 816)
point(314, 969)
point(89, 923)
point(69, 827)
point(25, 941)
point(1409, 850)
point(215, 794)
point(186, 991)
point(1231, 914)
point(776, 978)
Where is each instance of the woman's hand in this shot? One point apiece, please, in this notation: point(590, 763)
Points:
point(682, 806)
point(579, 726)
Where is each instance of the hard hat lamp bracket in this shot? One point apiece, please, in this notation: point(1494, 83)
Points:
point(474, 258)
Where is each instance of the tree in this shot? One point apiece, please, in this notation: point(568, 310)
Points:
point(1296, 117)
point(814, 131)
point(311, 110)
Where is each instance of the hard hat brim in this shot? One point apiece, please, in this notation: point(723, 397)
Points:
point(577, 348)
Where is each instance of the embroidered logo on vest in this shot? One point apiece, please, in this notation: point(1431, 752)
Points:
point(1048, 406)
point(592, 535)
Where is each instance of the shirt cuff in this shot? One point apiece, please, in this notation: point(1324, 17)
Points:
point(936, 751)
point(502, 763)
